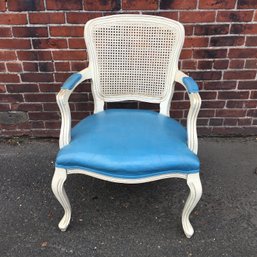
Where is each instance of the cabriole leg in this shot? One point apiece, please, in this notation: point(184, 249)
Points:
point(194, 183)
point(59, 178)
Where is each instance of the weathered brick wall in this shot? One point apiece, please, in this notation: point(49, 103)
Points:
point(42, 44)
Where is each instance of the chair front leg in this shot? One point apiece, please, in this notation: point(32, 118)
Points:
point(195, 186)
point(58, 180)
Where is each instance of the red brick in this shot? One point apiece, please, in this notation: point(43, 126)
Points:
point(48, 88)
point(220, 64)
point(2, 67)
point(64, 5)
point(14, 66)
point(250, 104)
point(210, 104)
point(186, 54)
point(4, 107)
point(134, 4)
point(30, 31)
point(243, 53)
point(98, 5)
point(195, 42)
point(227, 41)
point(189, 30)
point(34, 55)
point(13, 19)
point(37, 77)
point(247, 4)
point(230, 113)
point(61, 77)
point(204, 65)
point(249, 74)
point(46, 18)
point(209, 54)
point(46, 66)
point(49, 43)
point(236, 64)
point(206, 75)
point(189, 64)
point(247, 85)
point(253, 94)
point(27, 107)
point(235, 104)
point(234, 16)
point(251, 41)
point(69, 55)
point(30, 66)
point(20, 88)
point(208, 95)
point(196, 16)
point(2, 5)
point(251, 64)
point(171, 15)
point(252, 113)
point(77, 43)
point(211, 29)
point(37, 124)
point(244, 122)
point(214, 4)
point(26, 5)
point(216, 122)
point(78, 66)
point(15, 44)
point(243, 29)
point(53, 124)
point(62, 66)
point(5, 32)
point(40, 98)
point(206, 113)
point(51, 107)
point(177, 4)
point(230, 122)
point(233, 95)
point(9, 78)
point(220, 85)
point(67, 31)
point(43, 116)
point(12, 98)
point(2, 89)
point(80, 18)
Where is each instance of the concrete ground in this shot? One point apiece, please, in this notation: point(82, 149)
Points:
point(128, 220)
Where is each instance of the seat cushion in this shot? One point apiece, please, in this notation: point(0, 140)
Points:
point(128, 144)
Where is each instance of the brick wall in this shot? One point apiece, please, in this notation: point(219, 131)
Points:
point(42, 44)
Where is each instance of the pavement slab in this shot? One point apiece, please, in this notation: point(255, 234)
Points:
point(111, 219)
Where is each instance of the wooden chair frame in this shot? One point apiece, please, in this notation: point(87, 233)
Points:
point(193, 180)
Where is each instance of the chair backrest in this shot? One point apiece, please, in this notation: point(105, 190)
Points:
point(133, 57)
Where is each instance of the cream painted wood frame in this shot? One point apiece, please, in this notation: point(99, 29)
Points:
point(173, 75)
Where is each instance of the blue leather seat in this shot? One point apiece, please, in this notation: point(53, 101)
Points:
point(129, 144)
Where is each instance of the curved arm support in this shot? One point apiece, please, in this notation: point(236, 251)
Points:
point(195, 104)
point(62, 99)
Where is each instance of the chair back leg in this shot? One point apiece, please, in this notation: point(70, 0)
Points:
point(58, 180)
point(195, 186)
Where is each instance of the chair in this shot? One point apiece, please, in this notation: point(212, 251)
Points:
point(131, 57)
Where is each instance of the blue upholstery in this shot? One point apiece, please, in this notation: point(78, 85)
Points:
point(191, 85)
point(129, 144)
point(71, 81)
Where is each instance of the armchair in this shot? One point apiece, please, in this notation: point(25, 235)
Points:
point(131, 57)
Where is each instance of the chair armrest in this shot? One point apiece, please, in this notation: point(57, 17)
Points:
point(195, 104)
point(62, 99)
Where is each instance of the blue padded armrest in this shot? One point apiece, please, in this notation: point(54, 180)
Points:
point(71, 81)
point(190, 84)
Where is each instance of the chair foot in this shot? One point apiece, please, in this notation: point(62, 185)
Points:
point(58, 180)
point(194, 183)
